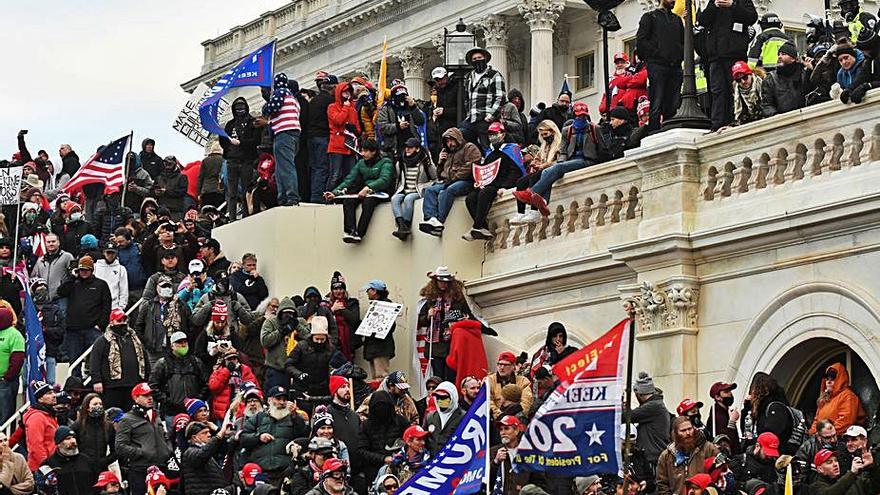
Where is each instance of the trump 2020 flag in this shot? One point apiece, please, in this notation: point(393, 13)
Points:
point(253, 70)
point(36, 344)
point(575, 432)
point(460, 467)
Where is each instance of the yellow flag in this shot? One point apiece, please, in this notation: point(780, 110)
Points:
point(383, 75)
point(678, 9)
point(789, 485)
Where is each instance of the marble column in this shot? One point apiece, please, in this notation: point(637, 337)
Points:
point(495, 29)
point(412, 60)
point(541, 17)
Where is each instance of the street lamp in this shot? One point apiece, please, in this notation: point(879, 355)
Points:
point(609, 23)
point(689, 115)
point(456, 44)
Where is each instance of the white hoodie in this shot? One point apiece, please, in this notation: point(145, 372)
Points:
point(116, 277)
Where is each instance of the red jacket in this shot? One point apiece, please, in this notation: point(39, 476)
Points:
point(629, 88)
point(191, 171)
point(338, 115)
point(221, 389)
point(40, 429)
point(466, 353)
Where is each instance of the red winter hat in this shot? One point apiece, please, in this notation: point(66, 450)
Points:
point(105, 479)
point(249, 473)
point(70, 206)
point(180, 421)
point(686, 405)
point(219, 311)
point(701, 480)
point(142, 388)
point(336, 382)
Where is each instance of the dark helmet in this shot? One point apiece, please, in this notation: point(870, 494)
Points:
point(849, 9)
point(815, 29)
point(770, 20)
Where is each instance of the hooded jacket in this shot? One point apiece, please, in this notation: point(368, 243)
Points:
point(201, 472)
point(150, 161)
point(379, 432)
point(40, 426)
point(672, 471)
point(654, 423)
point(843, 407)
point(315, 363)
point(467, 356)
point(241, 127)
point(553, 356)
point(515, 123)
point(442, 424)
point(459, 164)
point(175, 186)
point(339, 117)
point(274, 337)
point(116, 277)
point(392, 135)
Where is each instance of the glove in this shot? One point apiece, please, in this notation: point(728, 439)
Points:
point(844, 96)
point(856, 95)
point(303, 376)
point(230, 366)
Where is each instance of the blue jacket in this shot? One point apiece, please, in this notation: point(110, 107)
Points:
point(130, 258)
point(845, 77)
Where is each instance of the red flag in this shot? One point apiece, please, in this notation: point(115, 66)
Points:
point(587, 359)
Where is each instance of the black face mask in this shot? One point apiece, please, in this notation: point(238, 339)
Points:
point(41, 296)
point(547, 139)
point(119, 329)
point(480, 65)
point(311, 307)
point(239, 111)
point(222, 288)
point(320, 347)
point(697, 421)
point(727, 401)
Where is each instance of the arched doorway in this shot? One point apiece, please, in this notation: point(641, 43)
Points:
point(800, 371)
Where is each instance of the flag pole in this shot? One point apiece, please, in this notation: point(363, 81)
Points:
point(17, 220)
point(627, 446)
point(124, 164)
point(488, 470)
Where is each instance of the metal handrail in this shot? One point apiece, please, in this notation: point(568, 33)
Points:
point(7, 427)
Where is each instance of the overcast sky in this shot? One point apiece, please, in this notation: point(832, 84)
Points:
point(86, 72)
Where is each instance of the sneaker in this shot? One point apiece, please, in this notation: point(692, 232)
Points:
point(539, 203)
point(518, 219)
point(531, 216)
point(523, 196)
point(482, 234)
point(468, 236)
point(437, 224)
point(430, 225)
point(349, 238)
point(357, 239)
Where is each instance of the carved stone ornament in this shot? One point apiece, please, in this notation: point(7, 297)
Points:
point(670, 306)
point(494, 28)
point(412, 60)
point(541, 14)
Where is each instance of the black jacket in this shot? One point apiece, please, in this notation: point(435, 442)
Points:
point(174, 185)
point(866, 482)
point(306, 359)
point(71, 233)
point(375, 347)
point(94, 438)
point(174, 379)
point(242, 129)
point(88, 302)
point(151, 162)
point(447, 99)
point(52, 320)
point(783, 90)
point(10, 288)
point(253, 289)
point(99, 362)
point(746, 467)
point(660, 38)
point(346, 428)
point(727, 29)
point(139, 442)
point(201, 473)
point(76, 474)
point(382, 427)
point(318, 124)
point(69, 164)
point(508, 173)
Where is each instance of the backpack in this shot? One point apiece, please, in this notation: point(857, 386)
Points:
point(799, 426)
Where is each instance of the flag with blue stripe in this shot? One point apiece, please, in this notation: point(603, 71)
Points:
point(36, 344)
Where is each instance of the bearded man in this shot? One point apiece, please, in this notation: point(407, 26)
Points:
point(266, 434)
point(683, 458)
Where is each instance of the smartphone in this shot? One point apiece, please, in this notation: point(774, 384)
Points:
point(23, 132)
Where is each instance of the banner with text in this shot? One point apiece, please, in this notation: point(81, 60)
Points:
point(10, 185)
point(575, 432)
point(460, 467)
point(188, 121)
point(379, 319)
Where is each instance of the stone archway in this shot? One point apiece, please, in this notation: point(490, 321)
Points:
point(815, 310)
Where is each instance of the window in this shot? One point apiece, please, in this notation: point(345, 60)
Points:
point(800, 38)
point(586, 71)
point(629, 47)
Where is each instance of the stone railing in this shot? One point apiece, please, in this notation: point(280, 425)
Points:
point(585, 202)
point(812, 143)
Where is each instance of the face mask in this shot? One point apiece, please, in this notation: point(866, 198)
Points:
point(697, 421)
point(181, 351)
point(30, 216)
point(547, 139)
point(165, 292)
point(97, 412)
point(221, 288)
point(239, 111)
point(480, 65)
point(727, 401)
point(120, 329)
point(322, 346)
point(444, 403)
point(496, 138)
point(76, 216)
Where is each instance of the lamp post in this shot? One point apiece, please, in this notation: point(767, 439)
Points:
point(455, 46)
point(688, 115)
point(609, 23)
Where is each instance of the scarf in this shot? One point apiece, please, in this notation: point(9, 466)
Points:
point(171, 317)
point(747, 101)
point(115, 356)
point(580, 127)
point(316, 471)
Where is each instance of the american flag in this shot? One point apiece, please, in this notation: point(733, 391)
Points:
point(104, 167)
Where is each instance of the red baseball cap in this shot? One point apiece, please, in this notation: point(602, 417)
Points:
point(249, 472)
point(414, 431)
point(496, 127)
point(701, 480)
point(142, 388)
point(580, 108)
point(769, 444)
point(719, 387)
point(507, 356)
point(621, 56)
point(117, 315)
point(510, 420)
point(686, 405)
point(822, 456)
point(105, 478)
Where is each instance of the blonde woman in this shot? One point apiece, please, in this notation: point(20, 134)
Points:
point(550, 139)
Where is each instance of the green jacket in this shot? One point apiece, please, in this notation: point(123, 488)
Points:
point(379, 177)
point(275, 339)
point(866, 482)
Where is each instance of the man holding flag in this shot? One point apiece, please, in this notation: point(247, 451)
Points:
point(501, 475)
point(11, 360)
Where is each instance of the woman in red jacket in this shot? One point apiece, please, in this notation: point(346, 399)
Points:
point(466, 353)
point(342, 116)
point(228, 378)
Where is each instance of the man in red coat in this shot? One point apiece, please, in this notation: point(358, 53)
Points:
point(466, 353)
point(229, 376)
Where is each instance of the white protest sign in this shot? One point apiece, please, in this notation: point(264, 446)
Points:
point(188, 122)
point(10, 185)
point(379, 319)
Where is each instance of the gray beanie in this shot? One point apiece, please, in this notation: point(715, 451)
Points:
point(644, 384)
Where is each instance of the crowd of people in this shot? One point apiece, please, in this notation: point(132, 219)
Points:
point(203, 380)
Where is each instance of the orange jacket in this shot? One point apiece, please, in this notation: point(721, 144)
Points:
point(844, 407)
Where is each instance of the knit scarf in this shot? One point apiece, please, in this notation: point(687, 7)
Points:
point(748, 100)
point(171, 317)
point(115, 357)
point(580, 127)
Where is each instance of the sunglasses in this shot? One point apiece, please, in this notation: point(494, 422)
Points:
point(388, 488)
point(338, 475)
point(740, 78)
